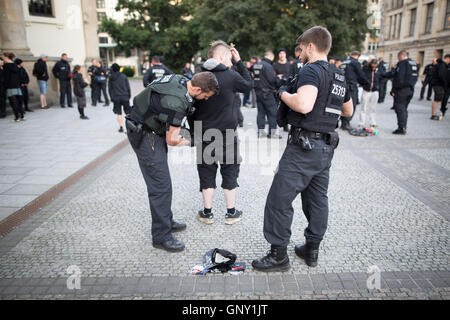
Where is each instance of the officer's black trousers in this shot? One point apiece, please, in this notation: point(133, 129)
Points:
point(401, 101)
point(105, 94)
point(65, 89)
point(426, 83)
point(305, 172)
point(266, 106)
point(353, 90)
point(155, 169)
point(383, 89)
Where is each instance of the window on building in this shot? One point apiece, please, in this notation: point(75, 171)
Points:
point(412, 21)
point(447, 16)
point(399, 25)
point(390, 28)
point(429, 18)
point(100, 16)
point(103, 39)
point(394, 28)
point(40, 8)
point(100, 4)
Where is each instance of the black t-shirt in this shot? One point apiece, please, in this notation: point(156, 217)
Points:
point(282, 68)
point(312, 74)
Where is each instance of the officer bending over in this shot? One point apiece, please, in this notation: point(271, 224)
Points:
point(320, 98)
point(155, 122)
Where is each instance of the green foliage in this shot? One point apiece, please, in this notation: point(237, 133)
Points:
point(128, 71)
point(179, 29)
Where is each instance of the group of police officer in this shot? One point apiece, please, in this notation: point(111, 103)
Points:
point(312, 101)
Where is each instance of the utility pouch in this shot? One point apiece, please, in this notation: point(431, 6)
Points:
point(333, 139)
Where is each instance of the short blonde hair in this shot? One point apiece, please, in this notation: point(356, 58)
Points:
point(218, 46)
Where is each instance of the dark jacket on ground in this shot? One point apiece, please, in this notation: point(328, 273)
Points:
point(61, 70)
point(78, 85)
point(439, 74)
point(12, 75)
point(24, 79)
point(40, 70)
point(374, 77)
point(119, 86)
point(218, 111)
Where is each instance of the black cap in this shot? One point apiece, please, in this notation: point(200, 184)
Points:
point(18, 61)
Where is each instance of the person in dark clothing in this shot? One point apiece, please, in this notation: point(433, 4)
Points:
point(120, 93)
point(439, 84)
point(404, 77)
point(78, 89)
point(41, 73)
point(95, 88)
point(156, 71)
point(12, 85)
point(24, 81)
point(369, 97)
point(218, 116)
point(427, 72)
point(382, 68)
point(266, 82)
point(447, 90)
point(282, 67)
point(353, 76)
point(186, 71)
point(2, 91)
point(102, 79)
point(297, 64)
point(61, 71)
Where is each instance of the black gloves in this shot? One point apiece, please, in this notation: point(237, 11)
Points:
point(281, 90)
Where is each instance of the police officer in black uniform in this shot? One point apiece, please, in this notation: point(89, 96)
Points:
point(404, 77)
point(382, 68)
point(353, 76)
point(320, 99)
point(155, 122)
point(62, 72)
point(265, 83)
point(156, 71)
point(427, 72)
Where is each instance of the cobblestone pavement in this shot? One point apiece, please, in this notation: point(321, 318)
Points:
point(48, 147)
point(389, 207)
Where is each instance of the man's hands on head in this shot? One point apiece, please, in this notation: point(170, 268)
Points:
point(235, 55)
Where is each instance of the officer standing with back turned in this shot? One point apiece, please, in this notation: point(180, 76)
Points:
point(155, 122)
point(404, 77)
point(320, 98)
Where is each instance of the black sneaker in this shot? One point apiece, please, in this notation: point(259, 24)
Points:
point(434, 118)
point(207, 218)
point(63, 107)
point(84, 118)
point(121, 129)
point(231, 218)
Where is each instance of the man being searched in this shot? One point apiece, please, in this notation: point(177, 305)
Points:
point(153, 124)
point(314, 107)
point(156, 71)
point(219, 116)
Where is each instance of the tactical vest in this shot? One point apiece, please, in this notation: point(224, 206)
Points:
point(257, 69)
point(328, 106)
point(175, 103)
point(414, 73)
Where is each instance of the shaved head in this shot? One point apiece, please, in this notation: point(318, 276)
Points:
point(218, 49)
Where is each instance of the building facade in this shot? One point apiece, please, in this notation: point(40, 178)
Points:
point(374, 23)
point(422, 27)
point(30, 28)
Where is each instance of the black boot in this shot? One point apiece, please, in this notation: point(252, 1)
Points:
point(275, 260)
point(308, 252)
